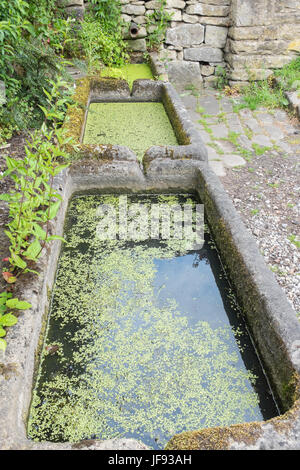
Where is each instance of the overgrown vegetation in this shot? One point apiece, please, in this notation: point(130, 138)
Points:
point(37, 40)
point(36, 43)
point(33, 201)
point(7, 318)
point(270, 93)
point(157, 23)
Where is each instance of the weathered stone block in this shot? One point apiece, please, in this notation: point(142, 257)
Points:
point(216, 36)
point(137, 45)
point(131, 9)
point(203, 54)
point(185, 35)
point(207, 10)
point(184, 73)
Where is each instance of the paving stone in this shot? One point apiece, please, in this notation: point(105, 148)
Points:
point(212, 154)
point(218, 168)
point(234, 123)
point(253, 125)
point(265, 118)
point(226, 105)
point(274, 132)
point(204, 135)
point(246, 113)
point(231, 161)
point(262, 140)
point(286, 148)
point(280, 115)
point(219, 131)
point(245, 142)
point(226, 146)
point(210, 104)
point(190, 101)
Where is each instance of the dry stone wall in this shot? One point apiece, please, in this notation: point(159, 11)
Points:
point(259, 36)
point(195, 40)
point(246, 36)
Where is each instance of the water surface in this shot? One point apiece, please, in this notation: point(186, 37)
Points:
point(135, 125)
point(145, 340)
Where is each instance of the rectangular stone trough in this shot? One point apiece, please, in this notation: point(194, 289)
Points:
point(271, 321)
point(108, 90)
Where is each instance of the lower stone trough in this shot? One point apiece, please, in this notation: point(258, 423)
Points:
point(152, 343)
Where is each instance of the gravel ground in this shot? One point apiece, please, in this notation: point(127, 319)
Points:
point(266, 194)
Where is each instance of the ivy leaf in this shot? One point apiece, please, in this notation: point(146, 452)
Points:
point(2, 344)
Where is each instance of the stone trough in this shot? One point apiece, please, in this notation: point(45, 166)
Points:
point(270, 319)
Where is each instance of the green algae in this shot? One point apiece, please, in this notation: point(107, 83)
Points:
point(129, 364)
point(129, 72)
point(135, 125)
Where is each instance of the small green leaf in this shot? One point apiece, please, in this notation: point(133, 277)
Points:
point(54, 209)
point(55, 237)
point(2, 344)
point(33, 250)
point(8, 320)
point(19, 304)
point(2, 332)
point(17, 260)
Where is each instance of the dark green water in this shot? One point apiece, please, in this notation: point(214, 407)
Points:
point(145, 340)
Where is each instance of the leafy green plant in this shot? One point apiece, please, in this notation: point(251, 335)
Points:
point(108, 12)
point(101, 47)
point(33, 201)
point(30, 38)
point(293, 239)
point(221, 78)
point(7, 305)
point(289, 74)
point(157, 23)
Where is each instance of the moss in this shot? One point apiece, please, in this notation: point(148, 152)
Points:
point(75, 117)
point(7, 370)
point(216, 438)
point(135, 125)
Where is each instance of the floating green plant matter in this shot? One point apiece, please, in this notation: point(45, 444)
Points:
point(135, 125)
point(119, 359)
point(129, 72)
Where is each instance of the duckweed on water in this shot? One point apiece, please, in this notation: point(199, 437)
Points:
point(135, 125)
point(131, 362)
point(129, 72)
